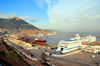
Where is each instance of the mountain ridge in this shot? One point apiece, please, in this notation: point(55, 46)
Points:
point(16, 24)
point(51, 30)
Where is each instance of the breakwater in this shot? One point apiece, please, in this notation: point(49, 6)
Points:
point(75, 35)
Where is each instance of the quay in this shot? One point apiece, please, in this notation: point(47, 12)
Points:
point(47, 45)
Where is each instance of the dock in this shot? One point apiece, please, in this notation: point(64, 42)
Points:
point(46, 45)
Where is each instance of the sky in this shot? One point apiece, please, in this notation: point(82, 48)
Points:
point(61, 15)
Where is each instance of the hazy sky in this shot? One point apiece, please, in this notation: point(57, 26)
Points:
point(62, 15)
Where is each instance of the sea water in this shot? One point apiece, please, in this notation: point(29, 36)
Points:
point(54, 40)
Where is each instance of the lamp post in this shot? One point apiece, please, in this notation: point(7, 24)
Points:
point(50, 58)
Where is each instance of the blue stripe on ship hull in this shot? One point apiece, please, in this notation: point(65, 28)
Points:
point(71, 48)
point(58, 51)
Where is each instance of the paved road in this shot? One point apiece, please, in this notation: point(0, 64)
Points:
point(67, 61)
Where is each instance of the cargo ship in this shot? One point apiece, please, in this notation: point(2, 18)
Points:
point(74, 43)
point(40, 41)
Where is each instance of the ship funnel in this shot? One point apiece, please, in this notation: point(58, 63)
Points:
point(77, 35)
point(89, 35)
point(36, 38)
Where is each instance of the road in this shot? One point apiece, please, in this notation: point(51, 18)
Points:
point(67, 61)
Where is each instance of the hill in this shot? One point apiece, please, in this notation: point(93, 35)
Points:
point(13, 58)
point(18, 26)
point(16, 23)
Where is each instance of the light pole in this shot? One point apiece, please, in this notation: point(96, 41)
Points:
point(50, 59)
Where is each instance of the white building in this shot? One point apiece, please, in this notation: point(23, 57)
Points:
point(93, 47)
point(20, 43)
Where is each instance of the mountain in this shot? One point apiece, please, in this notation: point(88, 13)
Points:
point(16, 23)
point(18, 26)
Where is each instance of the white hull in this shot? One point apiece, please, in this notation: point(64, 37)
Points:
point(64, 51)
point(74, 43)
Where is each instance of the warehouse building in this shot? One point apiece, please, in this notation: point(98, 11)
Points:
point(20, 43)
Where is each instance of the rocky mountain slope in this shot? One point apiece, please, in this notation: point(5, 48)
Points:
point(18, 26)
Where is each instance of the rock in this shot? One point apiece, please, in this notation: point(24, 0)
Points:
point(15, 17)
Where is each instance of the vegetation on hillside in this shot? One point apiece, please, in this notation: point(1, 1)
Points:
point(10, 58)
point(16, 24)
point(19, 26)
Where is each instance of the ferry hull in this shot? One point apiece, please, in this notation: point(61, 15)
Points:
point(74, 43)
point(63, 50)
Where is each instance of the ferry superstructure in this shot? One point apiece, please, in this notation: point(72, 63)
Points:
point(74, 43)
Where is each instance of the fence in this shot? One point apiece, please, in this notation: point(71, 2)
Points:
point(59, 55)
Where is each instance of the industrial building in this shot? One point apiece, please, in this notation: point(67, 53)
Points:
point(20, 43)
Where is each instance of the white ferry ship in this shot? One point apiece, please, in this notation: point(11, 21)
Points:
point(74, 43)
